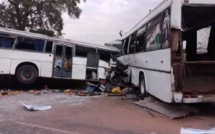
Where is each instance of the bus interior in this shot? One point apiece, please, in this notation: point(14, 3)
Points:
point(198, 22)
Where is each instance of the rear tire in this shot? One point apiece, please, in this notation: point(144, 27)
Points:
point(142, 87)
point(27, 74)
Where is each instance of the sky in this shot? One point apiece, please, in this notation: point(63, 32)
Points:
point(102, 20)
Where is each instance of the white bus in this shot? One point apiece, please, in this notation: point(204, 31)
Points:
point(165, 54)
point(29, 56)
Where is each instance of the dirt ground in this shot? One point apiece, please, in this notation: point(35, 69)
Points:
point(91, 115)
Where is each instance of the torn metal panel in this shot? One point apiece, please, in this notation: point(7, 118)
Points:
point(169, 110)
point(199, 98)
point(124, 60)
point(178, 70)
point(176, 34)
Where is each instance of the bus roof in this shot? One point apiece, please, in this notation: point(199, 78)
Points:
point(45, 37)
point(161, 7)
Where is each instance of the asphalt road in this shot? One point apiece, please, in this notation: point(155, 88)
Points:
point(92, 115)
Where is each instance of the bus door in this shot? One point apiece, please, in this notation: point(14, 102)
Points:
point(92, 66)
point(63, 61)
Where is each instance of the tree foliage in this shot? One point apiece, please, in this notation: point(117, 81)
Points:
point(43, 16)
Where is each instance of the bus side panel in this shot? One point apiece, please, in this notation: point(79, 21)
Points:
point(80, 61)
point(79, 68)
point(101, 73)
point(103, 64)
point(157, 84)
point(47, 69)
point(135, 76)
point(154, 60)
point(5, 66)
point(79, 72)
point(16, 63)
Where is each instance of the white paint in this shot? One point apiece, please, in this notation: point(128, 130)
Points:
point(157, 60)
point(79, 72)
point(10, 59)
point(203, 39)
point(16, 63)
point(200, 99)
point(178, 97)
point(4, 67)
point(157, 84)
point(46, 69)
point(101, 73)
point(79, 61)
point(104, 64)
point(200, 1)
point(176, 12)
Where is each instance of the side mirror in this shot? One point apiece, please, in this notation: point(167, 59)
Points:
point(184, 45)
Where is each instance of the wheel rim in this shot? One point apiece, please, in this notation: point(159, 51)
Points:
point(27, 75)
point(142, 87)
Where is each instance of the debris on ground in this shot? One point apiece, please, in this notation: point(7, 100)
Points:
point(13, 92)
point(196, 131)
point(85, 93)
point(36, 107)
point(116, 90)
point(68, 91)
point(91, 87)
point(8, 92)
point(40, 92)
point(171, 111)
point(117, 82)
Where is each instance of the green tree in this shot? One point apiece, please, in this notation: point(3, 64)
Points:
point(41, 16)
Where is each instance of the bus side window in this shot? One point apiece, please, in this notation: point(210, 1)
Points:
point(6, 42)
point(30, 44)
point(154, 33)
point(125, 47)
point(141, 43)
point(132, 46)
point(83, 51)
point(49, 46)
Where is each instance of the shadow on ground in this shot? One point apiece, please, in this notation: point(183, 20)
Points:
point(7, 82)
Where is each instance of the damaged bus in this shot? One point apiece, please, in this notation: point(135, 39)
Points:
point(28, 56)
point(171, 52)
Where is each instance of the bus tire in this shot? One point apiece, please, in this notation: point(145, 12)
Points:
point(142, 87)
point(27, 74)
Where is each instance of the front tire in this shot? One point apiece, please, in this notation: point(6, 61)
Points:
point(27, 74)
point(142, 87)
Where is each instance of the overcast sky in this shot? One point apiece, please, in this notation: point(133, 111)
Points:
point(101, 20)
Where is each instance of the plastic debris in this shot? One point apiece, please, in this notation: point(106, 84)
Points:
point(36, 107)
point(197, 131)
point(116, 90)
point(68, 91)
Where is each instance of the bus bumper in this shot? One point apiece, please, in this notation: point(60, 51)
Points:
point(207, 98)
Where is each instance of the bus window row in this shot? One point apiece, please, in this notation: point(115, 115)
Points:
point(40, 45)
point(154, 35)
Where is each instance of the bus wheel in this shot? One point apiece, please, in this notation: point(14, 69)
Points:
point(142, 87)
point(27, 74)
